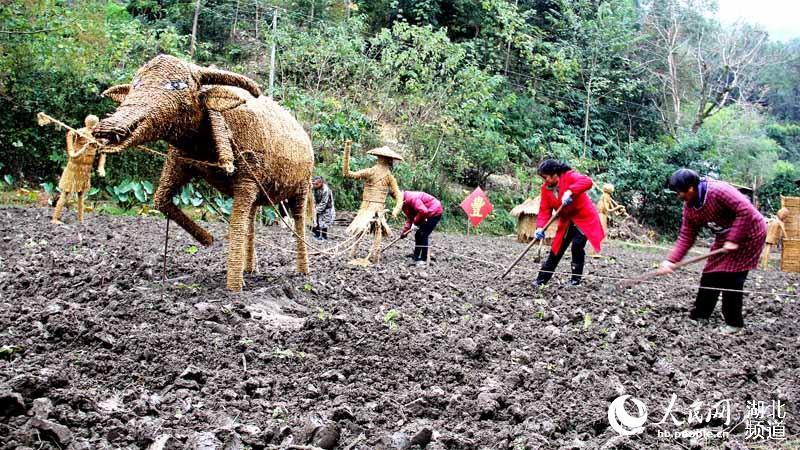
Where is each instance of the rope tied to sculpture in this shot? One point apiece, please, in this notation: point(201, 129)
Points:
point(44, 119)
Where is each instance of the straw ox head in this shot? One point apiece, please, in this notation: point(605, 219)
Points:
point(163, 101)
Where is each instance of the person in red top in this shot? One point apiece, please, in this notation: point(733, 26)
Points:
point(739, 228)
point(578, 220)
point(423, 212)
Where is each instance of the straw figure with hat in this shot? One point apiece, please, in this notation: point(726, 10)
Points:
point(371, 216)
point(78, 173)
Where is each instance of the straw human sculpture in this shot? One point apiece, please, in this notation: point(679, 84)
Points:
point(77, 176)
point(776, 230)
point(244, 144)
point(607, 206)
point(371, 216)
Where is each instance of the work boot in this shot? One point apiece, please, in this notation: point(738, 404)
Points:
point(730, 330)
point(577, 274)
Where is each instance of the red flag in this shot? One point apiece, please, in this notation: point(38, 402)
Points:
point(477, 206)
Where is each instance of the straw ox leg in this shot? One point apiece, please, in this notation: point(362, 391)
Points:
point(243, 203)
point(173, 177)
point(298, 204)
point(250, 263)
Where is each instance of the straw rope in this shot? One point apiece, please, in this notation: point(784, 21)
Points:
point(591, 275)
point(45, 119)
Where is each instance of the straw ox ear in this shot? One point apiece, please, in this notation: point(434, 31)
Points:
point(222, 77)
point(118, 92)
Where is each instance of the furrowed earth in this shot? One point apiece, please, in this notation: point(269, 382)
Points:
point(98, 352)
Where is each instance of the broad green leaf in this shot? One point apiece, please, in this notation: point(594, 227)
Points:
point(140, 194)
point(148, 187)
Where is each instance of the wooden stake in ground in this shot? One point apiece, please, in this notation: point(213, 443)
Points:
point(166, 241)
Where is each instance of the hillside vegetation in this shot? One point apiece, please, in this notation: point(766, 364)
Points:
point(624, 90)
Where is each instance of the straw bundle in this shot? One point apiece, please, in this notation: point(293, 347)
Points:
point(526, 214)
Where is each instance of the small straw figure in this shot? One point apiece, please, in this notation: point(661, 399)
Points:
point(371, 216)
point(78, 173)
point(607, 206)
point(775, 232)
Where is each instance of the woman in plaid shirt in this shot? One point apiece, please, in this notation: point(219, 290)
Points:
point(739, 228)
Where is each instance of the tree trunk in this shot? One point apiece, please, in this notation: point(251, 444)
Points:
point(194, 28)
point(235, 20)
point(586, 117)
point(508, 49)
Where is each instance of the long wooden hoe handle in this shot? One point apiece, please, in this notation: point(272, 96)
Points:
point(549, 222)
point(678, 265)
point(392, 243)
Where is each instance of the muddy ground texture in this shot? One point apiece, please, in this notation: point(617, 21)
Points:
point(97, 353)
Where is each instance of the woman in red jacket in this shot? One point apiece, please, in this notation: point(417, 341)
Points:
point(577, 221)
point(423, 212)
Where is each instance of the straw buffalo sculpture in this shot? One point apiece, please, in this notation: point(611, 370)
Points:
point(221, 129)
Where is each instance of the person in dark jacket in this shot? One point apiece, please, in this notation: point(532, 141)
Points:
point(325, 211)
point(739, 228)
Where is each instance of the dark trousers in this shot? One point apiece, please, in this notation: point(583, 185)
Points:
point(709, 292)
point(578, 240)
point(320, 232)
point(421, 238)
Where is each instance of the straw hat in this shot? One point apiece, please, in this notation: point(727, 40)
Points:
point(386, 152)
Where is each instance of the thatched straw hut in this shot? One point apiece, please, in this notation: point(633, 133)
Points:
point(526, 221)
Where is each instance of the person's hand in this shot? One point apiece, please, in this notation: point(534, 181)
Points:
point(413, 228)
point(539, 234)
point(395, 213)
point(730, 246)
point(566, 199)
point(404, 234)
point(666, 268)
point(101, 171)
